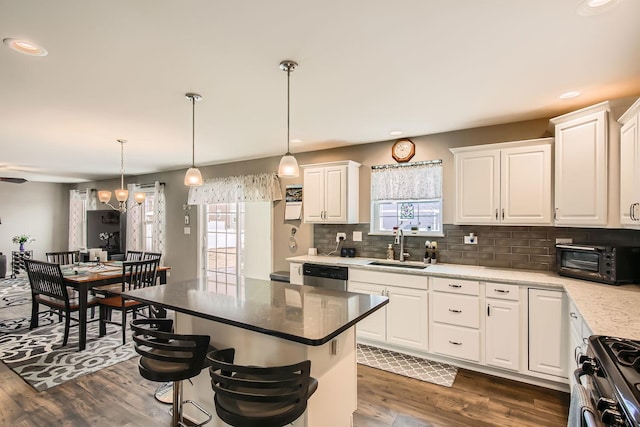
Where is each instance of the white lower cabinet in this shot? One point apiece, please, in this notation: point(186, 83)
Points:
point(548, 332)
point(403, 322)
point(455, 318)
point(502, 326)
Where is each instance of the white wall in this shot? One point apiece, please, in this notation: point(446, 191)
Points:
point(38, 209)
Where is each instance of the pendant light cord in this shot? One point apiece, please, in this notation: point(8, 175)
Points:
point(121, 163)
point(193, 132)
point(288, 106)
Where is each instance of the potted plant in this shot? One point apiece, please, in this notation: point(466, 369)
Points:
point(22, 239)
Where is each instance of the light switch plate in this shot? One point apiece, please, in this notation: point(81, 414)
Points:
point(187, 230)
point(357, 236)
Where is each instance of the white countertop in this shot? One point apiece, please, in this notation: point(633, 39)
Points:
point(607, 310)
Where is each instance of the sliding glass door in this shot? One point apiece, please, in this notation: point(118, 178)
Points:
point(236, 244)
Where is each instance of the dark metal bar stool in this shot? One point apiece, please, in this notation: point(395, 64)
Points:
point(170, 357)
point(253, 396)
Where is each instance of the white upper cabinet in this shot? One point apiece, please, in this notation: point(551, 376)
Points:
point(581, 167)
point(330, 193)
point(506, 183)
point(630, 167)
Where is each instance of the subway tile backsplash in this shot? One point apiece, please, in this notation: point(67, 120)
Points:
point(528, 248)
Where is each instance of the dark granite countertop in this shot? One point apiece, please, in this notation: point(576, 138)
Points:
point(304, 314)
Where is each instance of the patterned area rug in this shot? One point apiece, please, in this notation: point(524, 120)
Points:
point(39, 358)
point(14, 292)
point(408, 366)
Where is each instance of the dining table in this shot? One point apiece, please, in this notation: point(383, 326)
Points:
point(85, 276)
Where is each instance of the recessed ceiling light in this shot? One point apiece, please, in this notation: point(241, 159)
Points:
point(569, 95)
point(25, 47)
point(594, 7)
point(295, 141)
point(395, 133)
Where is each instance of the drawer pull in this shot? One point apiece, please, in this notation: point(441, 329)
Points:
point(573, 315)
point(455, 343)
point(454, 286)
point(455, 311)
point(502, 291)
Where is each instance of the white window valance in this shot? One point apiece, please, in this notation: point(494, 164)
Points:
point(263, 187)
point(417, 181)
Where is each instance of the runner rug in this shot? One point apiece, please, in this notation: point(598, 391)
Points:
point(408, 366)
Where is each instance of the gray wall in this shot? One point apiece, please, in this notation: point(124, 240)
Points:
point(182, 249)
point(38, 209)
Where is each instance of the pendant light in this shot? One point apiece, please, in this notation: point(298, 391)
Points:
point(193, 177)
point(122, 194)
point(288, 164)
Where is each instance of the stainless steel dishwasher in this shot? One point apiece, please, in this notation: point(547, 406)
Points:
point(325, 276)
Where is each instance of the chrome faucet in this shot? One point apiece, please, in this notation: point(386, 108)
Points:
point(400, 240)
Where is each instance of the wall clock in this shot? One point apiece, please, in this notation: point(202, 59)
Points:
point(403, 150)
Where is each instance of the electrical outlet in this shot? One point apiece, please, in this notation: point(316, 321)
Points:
point(357, 236)
point(470, 240)
point(339, 235)
point(566, 241)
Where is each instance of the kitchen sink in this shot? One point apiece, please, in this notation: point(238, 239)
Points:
point(397, 265)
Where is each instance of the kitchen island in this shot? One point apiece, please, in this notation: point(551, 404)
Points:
point(274, 323)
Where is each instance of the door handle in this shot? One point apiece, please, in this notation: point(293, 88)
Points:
point(455, 311)
point(503, 291)
point(502, 213)
point(454, 342)
point(496, 214)
point(454, 286)
point(555, 214)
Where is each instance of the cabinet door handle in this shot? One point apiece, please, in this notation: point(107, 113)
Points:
point(454, 286)
point(573, 315)
point(631, 211)
point(382, 292)
point(635, 206)
point(455, 311)
point(496, 214)
point(555, 214)
point(503, 291)
point(502, 213)
point(488, 310)
point(387, 293)
point(455, 343)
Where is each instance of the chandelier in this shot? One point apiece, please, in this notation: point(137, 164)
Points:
point(122, 194)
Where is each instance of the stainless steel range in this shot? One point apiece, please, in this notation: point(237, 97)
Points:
point(610, 372)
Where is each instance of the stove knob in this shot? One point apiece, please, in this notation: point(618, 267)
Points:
point(612, 417)
point(604, 403)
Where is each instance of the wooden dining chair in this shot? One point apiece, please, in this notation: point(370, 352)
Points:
point(134, 256)
point(135, 275)
point(63, 258)
point(48, 288)
point(152, 255)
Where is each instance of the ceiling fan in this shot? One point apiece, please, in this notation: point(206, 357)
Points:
point(13, 180)
point(11, 168)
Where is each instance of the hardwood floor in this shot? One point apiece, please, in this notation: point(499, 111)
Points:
point(118, 396)
point(474, 400)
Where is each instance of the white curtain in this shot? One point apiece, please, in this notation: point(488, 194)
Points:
point(134, 221)
point(159, 220)
point(407, 182)
point(80, 201)
point(263, 187)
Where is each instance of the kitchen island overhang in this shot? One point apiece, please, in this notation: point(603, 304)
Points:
point(275, 323)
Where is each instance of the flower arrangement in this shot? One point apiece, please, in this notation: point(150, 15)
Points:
point(22, 239)
point(106, 236)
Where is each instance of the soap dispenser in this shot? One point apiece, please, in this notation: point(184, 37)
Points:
point(390, 251)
